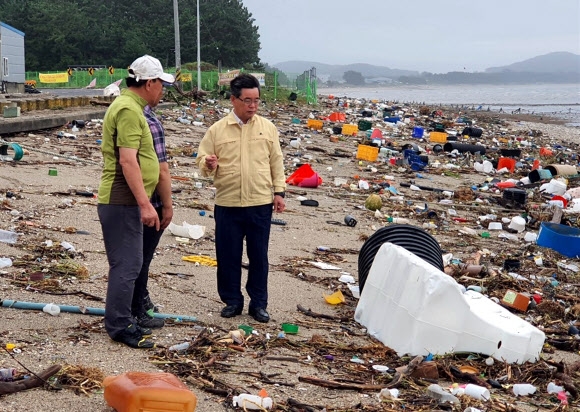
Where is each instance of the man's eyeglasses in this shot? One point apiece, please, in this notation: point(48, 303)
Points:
point(248, 102)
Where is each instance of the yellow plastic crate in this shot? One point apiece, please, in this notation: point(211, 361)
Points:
point(350, 129)
point(438, 137)
point(369, 153)
point(314, 124)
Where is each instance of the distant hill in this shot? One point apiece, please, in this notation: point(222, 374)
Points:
point(557, 62)
point(335, 72)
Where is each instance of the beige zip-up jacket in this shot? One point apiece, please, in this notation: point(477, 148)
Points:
point(250, 163)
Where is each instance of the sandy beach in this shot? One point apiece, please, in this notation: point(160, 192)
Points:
point(45, 208)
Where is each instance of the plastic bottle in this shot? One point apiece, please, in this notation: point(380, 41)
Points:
point(179, 346)
point(553, 388)
point(7, 374)
point(523, 389)
point(437, 392)
point(68, 246)
point(399, 220)
point(8, 237)
point(51, 309)
point(247, 401)
point(477, 392)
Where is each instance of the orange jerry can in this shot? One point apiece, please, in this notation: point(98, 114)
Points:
point(151, 392)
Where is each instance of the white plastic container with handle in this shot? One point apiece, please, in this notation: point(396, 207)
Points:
point(247, 401)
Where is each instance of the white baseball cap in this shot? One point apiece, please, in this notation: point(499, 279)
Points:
point(148, 67)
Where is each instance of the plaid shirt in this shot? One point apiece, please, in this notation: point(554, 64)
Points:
point(158, 134)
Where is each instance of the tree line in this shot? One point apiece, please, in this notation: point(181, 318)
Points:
point(62, 33)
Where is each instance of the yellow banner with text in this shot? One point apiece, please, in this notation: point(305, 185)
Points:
point(53, 77)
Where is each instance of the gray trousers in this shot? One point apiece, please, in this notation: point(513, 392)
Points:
point(123, 237)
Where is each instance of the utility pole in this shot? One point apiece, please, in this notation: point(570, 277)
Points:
point(177, 40)
point(198, 51)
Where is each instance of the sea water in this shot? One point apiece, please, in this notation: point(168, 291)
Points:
point(558, 100)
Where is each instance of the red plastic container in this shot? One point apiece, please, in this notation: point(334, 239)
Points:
point(505, 185)
point(150, 392)
point(304, 172)
point(337, 117)
point(506, 162)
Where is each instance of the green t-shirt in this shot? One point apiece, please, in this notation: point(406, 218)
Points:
point(125, 125)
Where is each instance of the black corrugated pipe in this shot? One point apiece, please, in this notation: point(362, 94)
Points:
point(410, 237)
point(472, 132)
point(464, 147)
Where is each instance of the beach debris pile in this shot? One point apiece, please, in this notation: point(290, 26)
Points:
point(500, 196)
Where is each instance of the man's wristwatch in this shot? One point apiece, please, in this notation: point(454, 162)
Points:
point(281, 194)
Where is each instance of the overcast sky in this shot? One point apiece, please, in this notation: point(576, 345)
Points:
point(425, 35)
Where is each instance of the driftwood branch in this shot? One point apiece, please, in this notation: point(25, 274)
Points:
point(283, 358)
point(398, 378)
point(302, 406)
point(308, 312)
point(339, 385)
point(33, 382)
point(469, 377)
point(76, 292)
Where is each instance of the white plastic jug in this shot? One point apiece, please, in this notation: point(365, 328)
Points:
point(414, 308)
point(248, 401)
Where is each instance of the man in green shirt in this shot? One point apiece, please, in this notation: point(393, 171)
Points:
point(130, 175)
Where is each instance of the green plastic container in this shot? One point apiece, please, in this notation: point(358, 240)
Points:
point(364, 125)
point(247, 329)
point(290, 328)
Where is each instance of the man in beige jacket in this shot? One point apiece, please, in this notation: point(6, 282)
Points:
point(242, 152)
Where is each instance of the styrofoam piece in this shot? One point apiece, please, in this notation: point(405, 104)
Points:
point(414, 308)
point(530, 237)
point(494, 226)
point(554, 186)
point(186, 230)
point(518, 223)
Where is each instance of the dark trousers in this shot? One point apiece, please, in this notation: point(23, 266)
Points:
point(123, 235)
point(151, 238)
point(233, 224)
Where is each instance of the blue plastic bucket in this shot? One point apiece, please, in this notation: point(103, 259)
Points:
point(408, 152)
point(561, 238)
point(417, 132)
point(392, 119)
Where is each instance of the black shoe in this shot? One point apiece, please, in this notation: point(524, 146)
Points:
point(149, 305)
point(146, 332)
point(230, 311)
point(132, 337)
point(149, 322)
point(259, 314)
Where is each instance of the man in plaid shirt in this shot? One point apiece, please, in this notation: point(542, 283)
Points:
point(142, 307)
